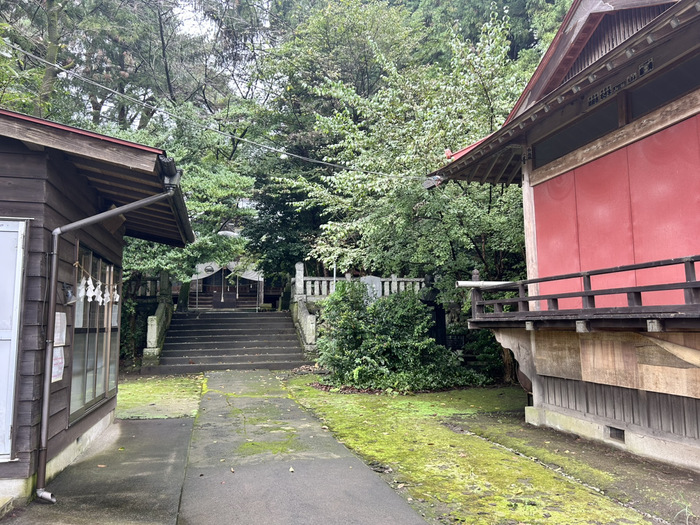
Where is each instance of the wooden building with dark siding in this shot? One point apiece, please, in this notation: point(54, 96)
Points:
point(605, 142)
point(51, 177)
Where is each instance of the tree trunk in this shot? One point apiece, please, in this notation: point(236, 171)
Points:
point(509, 368)
point(53, 9)
point(96, 105)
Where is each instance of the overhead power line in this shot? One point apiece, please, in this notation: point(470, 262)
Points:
point(165, 112)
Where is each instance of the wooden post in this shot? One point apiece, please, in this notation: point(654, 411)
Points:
point(523, 304)
point(588, 300)
point(476, 297)
point(692, 295)
point(634, 298)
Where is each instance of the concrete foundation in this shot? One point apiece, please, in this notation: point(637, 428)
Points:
point(630, 439)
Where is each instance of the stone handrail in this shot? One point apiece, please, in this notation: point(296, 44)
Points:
point(157, 327)
point(317, 288)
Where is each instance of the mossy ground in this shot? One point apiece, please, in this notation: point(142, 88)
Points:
point(463, 456)
point(457, 477)
point(158, 397)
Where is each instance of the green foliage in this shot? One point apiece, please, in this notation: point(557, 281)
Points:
point(389, 100)
point(381, 86)
point(18, 85)
point(337, 41)
point(545, 19)
point(279, 234)
point(389, 223)
point(385, 344)
point(488, 352)
point(134, 328)
point(212, 185)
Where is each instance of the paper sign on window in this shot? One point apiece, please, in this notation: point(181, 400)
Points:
point(58, 364)
point(59, 331)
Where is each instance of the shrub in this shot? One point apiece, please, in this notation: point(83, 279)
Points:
point(489, 354)
point(385, 344)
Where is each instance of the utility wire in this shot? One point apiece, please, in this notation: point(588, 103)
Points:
point(219, 132)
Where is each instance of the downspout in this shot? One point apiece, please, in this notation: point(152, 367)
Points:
point(41, 491)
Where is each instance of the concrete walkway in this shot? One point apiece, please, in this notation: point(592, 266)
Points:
point(132, 475)
point(254, 457)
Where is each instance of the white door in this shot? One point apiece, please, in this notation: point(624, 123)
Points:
point(12, 238)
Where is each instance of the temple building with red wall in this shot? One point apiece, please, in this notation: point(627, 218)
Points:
point(605, 142)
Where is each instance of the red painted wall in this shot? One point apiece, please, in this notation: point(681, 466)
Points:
point(638, 204)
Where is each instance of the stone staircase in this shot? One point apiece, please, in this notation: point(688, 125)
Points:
point(225, 339)
point(5, 505)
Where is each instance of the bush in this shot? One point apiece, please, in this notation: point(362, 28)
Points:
point(489, 354)
point(385, 344)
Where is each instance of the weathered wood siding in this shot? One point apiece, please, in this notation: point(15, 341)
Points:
point(622, 359)
point(41, 186)
point(624, 407)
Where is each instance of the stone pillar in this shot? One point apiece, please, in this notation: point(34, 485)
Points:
point(299, 279)
point(261, 292)
point(165, 294)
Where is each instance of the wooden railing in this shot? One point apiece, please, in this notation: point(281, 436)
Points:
point(522, 300)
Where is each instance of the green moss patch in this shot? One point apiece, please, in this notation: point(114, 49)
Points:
point(287, 445)
point(456, 477)
point(158, 397)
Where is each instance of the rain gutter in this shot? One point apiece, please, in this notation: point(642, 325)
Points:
point(171, 187)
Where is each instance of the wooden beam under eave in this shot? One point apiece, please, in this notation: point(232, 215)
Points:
point(127, 187)
point(455, 168)
point(505, 166)
point(118, 195)
point(490, 168)
point(461, 173)
point(514, 173)
point(77, 144)
point(94, 168)
point(164, 214)
point(151, 223)
point(472, 174)
point(33, 147)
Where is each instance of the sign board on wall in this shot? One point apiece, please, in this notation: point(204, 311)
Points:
point(58, 364)
point(59, 341)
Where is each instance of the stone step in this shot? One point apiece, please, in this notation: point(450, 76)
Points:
point(5, 505)
point(231, 323)
point(205, 341)
point(196, 368)
point(223, 312)
point(205, 335)
point(226, 339)
point(231, 331)
point(223, 351)
point(230, 359)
